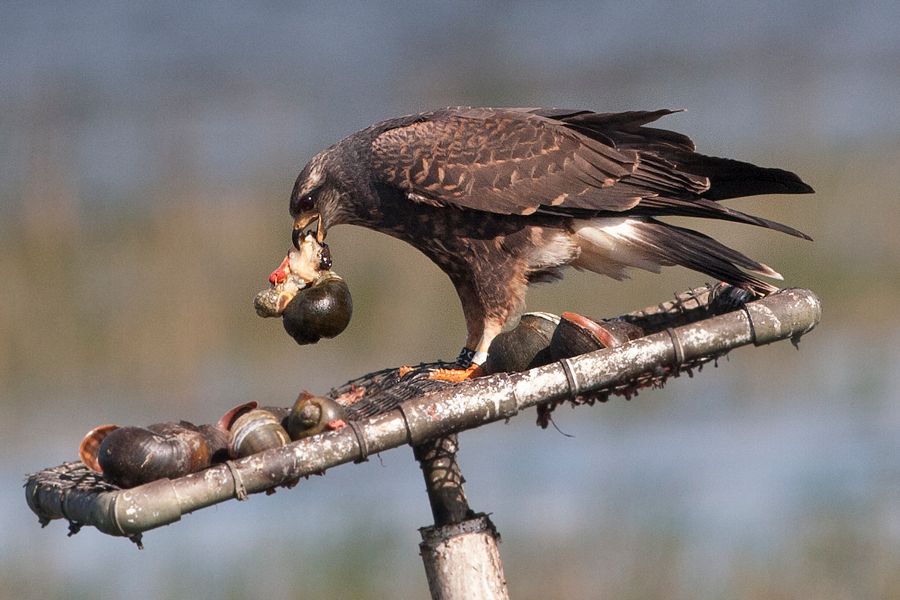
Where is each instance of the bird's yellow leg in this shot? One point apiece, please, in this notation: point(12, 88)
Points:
point(457, 375)
point(470, 361)
point(452, 375)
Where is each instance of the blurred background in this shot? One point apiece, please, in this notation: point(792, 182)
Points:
point(146, 155)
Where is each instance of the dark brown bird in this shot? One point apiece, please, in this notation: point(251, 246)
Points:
point(501, 198)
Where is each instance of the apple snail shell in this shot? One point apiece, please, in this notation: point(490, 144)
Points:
point(256, 430)
point(131, 456)
point(322, 310)
point(312, 414)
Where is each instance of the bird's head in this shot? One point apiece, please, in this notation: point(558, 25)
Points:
point(317, 198)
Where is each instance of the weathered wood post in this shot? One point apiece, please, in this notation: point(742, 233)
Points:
point(460, 550)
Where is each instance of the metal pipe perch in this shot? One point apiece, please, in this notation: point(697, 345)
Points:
point(787, 314)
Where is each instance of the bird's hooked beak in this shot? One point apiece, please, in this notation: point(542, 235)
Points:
point(302, 222)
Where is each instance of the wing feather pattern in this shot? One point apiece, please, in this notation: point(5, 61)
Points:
point(508, 162)
point(567, 162)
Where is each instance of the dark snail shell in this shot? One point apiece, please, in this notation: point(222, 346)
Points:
point(542, 338)
point(130, 456)
point(89, 450)
point(227, 420)
point(579, 335)
point(321, 310)
point(217, 440)
point(525, 347)
point(312, 414)
point(256, 430)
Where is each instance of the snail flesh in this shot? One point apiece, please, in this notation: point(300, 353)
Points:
point(302, 267)
point(313, 300)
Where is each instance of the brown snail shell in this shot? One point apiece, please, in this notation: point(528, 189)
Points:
point(280, 412)
point(312, 414)
point(89, 450)
point(321, 310)
point(525, 347)
point(217, 440)
point(226, 420)
point(542, 338)
point(254, 431)
point(130, 456)
point(578, 335)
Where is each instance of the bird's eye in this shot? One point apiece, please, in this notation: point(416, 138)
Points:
point(307, 202)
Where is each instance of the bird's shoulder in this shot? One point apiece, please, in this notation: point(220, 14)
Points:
point(468, 125)
point(504, 160)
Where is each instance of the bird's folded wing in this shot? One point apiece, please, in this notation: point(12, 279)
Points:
point(516, 162)
point(567, 162)
point(626, 130)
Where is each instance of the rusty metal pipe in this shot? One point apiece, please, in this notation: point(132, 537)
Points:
point(787, 314)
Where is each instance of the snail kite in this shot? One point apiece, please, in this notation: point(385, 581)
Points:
point(501, 198)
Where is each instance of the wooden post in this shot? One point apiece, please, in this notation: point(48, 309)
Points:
point(459, 551)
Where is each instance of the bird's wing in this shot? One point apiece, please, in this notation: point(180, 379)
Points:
point(568, 162)
point(626, 130)
point(511, 161)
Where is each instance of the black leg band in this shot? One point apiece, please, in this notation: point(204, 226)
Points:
point(465, 358)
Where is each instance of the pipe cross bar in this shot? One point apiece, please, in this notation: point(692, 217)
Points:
point(787, 314)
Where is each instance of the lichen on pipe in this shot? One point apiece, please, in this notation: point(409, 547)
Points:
point(787, 314)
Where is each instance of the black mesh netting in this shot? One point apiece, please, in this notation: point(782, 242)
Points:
point(383, 390)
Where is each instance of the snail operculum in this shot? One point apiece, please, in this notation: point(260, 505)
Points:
point(309, 415)
point(271, 302)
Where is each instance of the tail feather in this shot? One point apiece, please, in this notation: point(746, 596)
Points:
point(611, 246)
point(706, 208)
